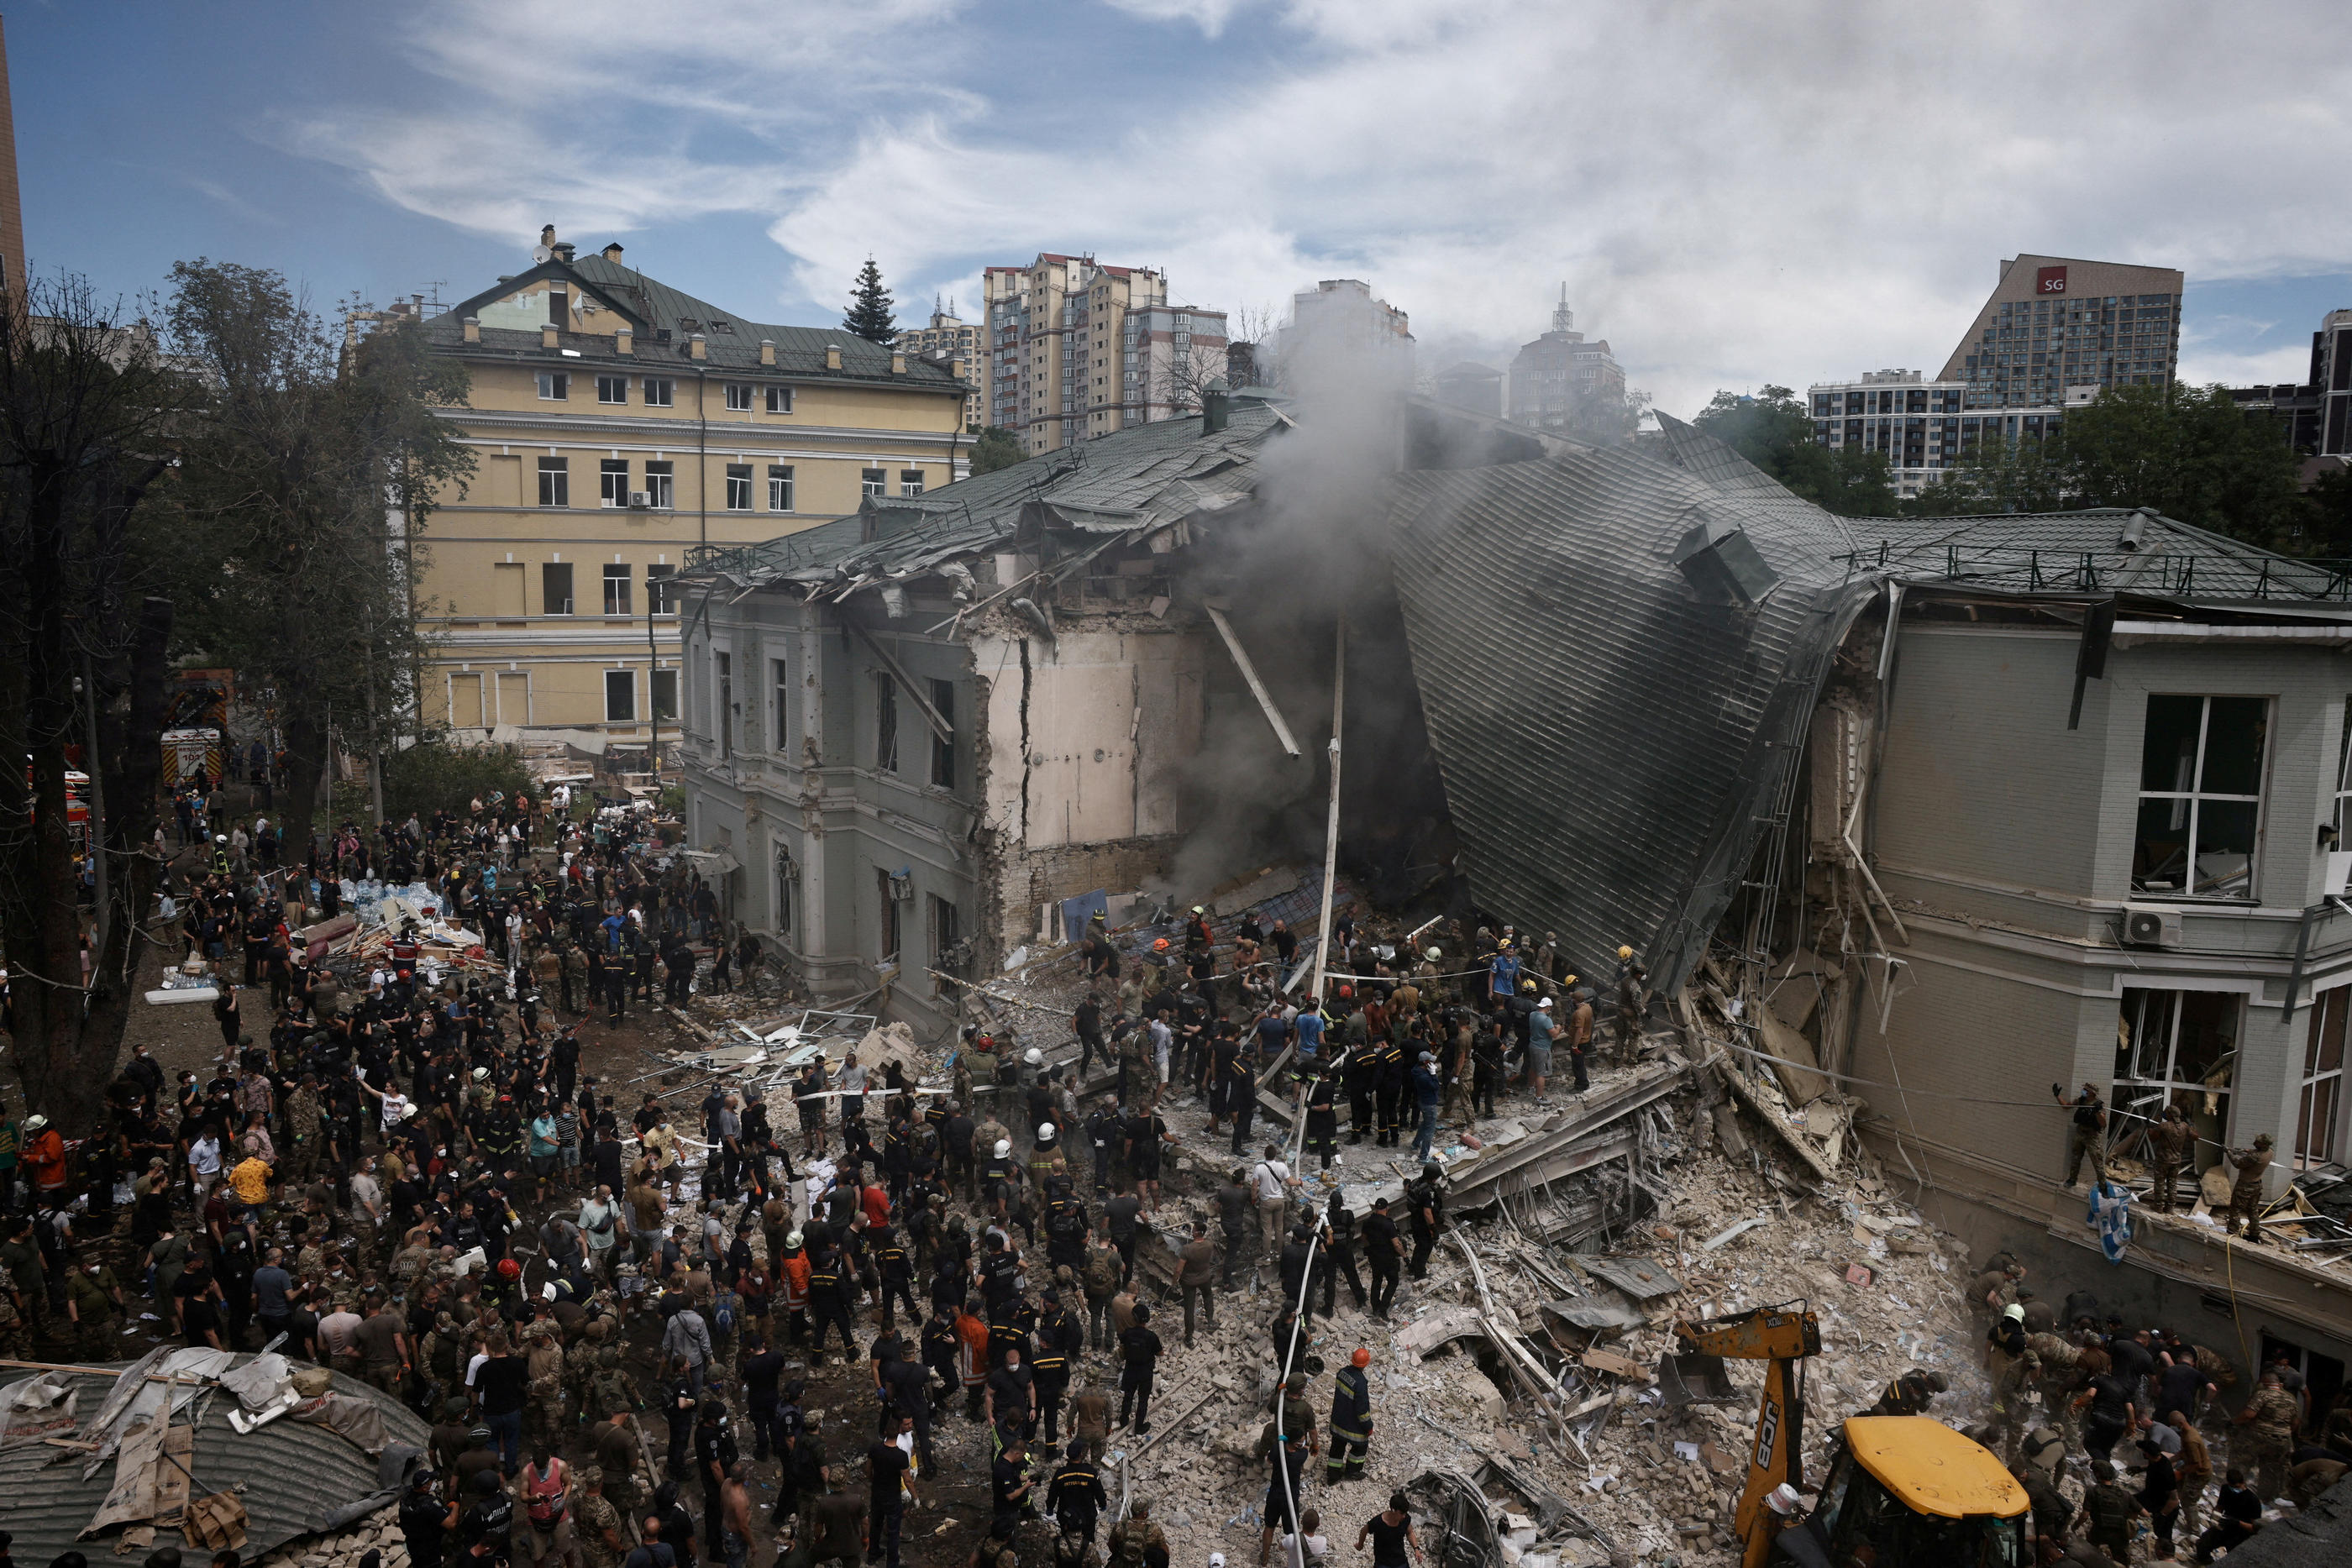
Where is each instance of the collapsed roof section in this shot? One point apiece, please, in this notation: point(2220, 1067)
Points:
point(1618, 650)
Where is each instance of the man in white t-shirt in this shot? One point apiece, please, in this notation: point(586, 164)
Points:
point(1317, 1547)
point(1271, 1182)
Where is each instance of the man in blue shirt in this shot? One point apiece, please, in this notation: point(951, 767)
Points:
point(1503, 974)
point(1423, 1080)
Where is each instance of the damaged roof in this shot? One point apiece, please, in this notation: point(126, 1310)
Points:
point(1133, 483)
point(1618, 650)
point(2099, 549)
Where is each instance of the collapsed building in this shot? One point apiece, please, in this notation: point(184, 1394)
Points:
point(1919, 815)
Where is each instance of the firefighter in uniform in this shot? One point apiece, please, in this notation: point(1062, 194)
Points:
point(1351, 1420)
point(1058, 1335)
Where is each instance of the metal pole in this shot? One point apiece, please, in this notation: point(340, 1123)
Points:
point(653, 708)
point(1332, 830)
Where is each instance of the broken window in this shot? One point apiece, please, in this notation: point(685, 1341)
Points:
point(555, 588)
point(658, 599)
point(665, 686)
point(739, 487)
point(886, 888)
point(2317, 1110)
point(619, 697)
point(873, 482)
point(722, 677)
point(947, 937)
point(2200, 796)
point(780, 486)
point(2176, 1048)
point(886, 724)
point(943, 768)
point(785, 875)
point(780, 678)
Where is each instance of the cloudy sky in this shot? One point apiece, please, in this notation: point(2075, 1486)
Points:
point(1734, 193)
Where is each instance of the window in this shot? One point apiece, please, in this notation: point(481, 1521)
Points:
point(613, 479)
point(612, 389)
point(660, 392)
point(619, 697)
point(722, 680)
point(556, 482)
point(555, 385)
point(947, 940)
point(555, 588)
point(943, 748)
point(664, 684)
point(739, 397)
point(873, 481)
point(884, 886)
point(886, 724)
point(779, 400)
point(739, 487)
point(659, 478)
point(911, 482)
point(2200, 796)
point(616, 588)
point(786, 876)
point(659, 598)
point(779, 681)
point(2176, 1048)
point(780, 486)
point(2318, 1110)
point(2332, 837)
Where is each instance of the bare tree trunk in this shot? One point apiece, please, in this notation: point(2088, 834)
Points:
point(305, 765)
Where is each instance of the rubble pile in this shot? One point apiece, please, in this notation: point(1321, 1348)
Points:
point(378, 1532)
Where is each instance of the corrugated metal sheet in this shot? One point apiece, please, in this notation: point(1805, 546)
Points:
point(297, 1479)
point(1611, 745)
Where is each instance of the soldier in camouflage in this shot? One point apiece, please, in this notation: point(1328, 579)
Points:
point(2268, 1419)
point(602, 1537)
point(301, 1158)
point(2246, 1194)
point(544, 1398)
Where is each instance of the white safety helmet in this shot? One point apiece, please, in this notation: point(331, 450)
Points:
point(792, 1241)
point(36, 1122)
point(1004, 1148)
point(1434, 955)
point(1035, 1058)
point(1045, 1131)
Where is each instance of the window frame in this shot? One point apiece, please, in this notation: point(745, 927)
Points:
point(554, 386)
point(659, 600)
point(659, 391)
point(779, 400)
point(739, 396)
point(628, 683)
point(654, 681)
point(557, 493)
point(550, 573)
point(2320, 1088)
point(873, 483)
point(780, 684)
point(2197, 797)
point(607, 470)
point(2128, 1086)
point(780, 486)
point(613, 384)
point(722, 687)
point(943, 757)
point(738, 487)
point(911, 483)
point(886, 723)
point(616, 571)
point(661, 486)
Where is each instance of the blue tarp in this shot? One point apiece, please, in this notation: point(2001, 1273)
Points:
point(1077, 912)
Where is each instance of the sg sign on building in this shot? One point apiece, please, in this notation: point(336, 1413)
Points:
point(2050, 280)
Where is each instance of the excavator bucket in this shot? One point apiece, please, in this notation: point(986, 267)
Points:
point(1694, 1378)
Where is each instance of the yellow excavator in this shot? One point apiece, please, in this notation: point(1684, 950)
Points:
point(1903, 1492)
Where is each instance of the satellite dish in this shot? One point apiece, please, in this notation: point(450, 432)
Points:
point(539, 253)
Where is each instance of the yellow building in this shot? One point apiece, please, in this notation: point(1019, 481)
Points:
point(618, 426)
point(1058, 347)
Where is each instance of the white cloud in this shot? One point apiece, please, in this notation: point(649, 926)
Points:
point(1733, 195)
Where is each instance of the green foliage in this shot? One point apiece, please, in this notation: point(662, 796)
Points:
point(2190, 453)
point(434, 776)
point(996, 448)
point(1773, 430)
point(2327, 513)
point(869, 313)
point(1607, 424)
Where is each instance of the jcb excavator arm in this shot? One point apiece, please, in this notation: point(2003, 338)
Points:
point(1781, 1338)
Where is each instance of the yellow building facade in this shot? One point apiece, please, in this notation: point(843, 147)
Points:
point(619, 425)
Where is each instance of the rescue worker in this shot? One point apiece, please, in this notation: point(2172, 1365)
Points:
point(2171, 1144)
point(1059, 1340)
point(1631, 979)
point(1351, 1420)
point(1136, 1538)
point(2268, 1419)
point(1427, 1204)
point(1076, 1498)
point(1910, 1394)
point(2108, 1512)
point(2086, 1133)
point(2246, 1194)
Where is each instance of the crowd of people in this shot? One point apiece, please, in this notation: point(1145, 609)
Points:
point(2072, 1384)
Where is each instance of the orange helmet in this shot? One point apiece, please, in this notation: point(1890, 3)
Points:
point(509, 1270)
point(1160, 945)
point(1363, 1357)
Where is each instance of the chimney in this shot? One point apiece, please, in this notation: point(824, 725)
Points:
point(612, 253)
point(625, 340)
point(766, 351)
point(473, 325)
point(955, 369)
point(562, 248)
point(696, 348)
point(547, 335)
point(1217, 408)
point(833, 356)
point(898, 364)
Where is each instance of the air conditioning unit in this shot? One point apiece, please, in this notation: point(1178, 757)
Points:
point(2149, 927)
point(641, 500)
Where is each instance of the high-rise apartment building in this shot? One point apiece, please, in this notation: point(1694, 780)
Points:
point(945, 339)
point(2318, 413)
point(1920, 427)
point(1561, 373)
point(1341, 315)
point(1169, 354)
point(1474, 386)
point(1057, 336)
point(2057, 328)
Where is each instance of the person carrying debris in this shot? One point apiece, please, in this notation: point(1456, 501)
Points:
point(1351, 1420)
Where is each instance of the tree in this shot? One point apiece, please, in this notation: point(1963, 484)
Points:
point(1773, 430)
point(1181, 382)
point(869, 313)
point(299, 504)
point(1606, 422)
point(995, 448)
point(2327, 513)
point(2190, 453)
point(89, 424)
